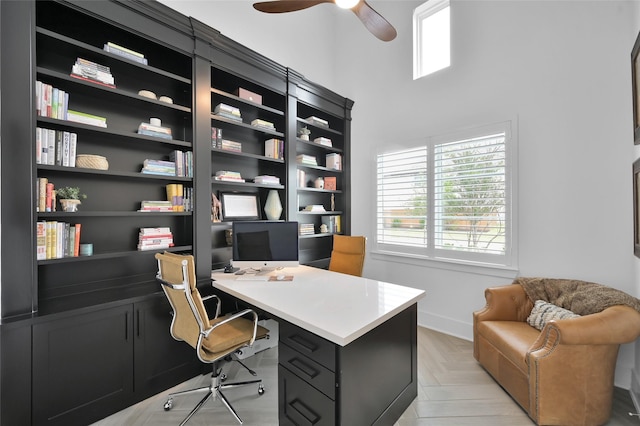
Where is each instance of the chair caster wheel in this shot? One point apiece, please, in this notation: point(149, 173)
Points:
point(260, 390)
point(223, 377)
point(168, 405)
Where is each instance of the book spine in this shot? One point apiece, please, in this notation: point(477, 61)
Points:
point(50, 238)
point(41, 241)
point(76, 248)
point(73, 142)
point(59, 147)
point(51, 149)
point(38, 145)
point(49, 198)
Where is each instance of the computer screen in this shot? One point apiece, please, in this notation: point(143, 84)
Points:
point(264, 244)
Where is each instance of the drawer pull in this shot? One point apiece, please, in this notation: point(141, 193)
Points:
point(304, 411)
point(304, 343)
point(304, 368)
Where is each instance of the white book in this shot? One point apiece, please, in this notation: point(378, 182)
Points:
point(38, 145)
point(73, 141)
point(51, 148)
point(44, 147)
point(66, 141)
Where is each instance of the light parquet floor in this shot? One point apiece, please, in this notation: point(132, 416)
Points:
point(452, 390)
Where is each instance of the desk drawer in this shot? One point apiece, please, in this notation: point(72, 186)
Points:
point(300, 404)
point(315, 347)
point(310, 371)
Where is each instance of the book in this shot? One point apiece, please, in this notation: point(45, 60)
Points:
point(306, 159)
point(318, 121)
point(333, 224)
point(263, 123)
point(85, 118)
point(42, 194)
point(51, 147)
point(125, 53)
point(314, 208)
point(274, 148)
point(76, 247)
point(155, 231)
point(73, 142)
point(41, 240)
point(216, 137)
point(330, 183)
point(323, 141)
point(49, 198)
point(334, 161)
point(267, 180)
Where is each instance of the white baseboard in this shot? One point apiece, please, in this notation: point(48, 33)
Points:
point(446, 325)
point(635, 390)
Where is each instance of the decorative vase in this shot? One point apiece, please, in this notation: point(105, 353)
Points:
point(273, 206)
point(70, 205)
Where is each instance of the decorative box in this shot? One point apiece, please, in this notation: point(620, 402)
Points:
point(334, 161)
point(250, 96)
point(330, 183)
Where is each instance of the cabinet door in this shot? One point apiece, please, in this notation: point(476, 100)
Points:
point(82, 366)
point(160, 360)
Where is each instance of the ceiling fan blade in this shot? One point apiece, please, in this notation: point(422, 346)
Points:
point(282, 6)
point(375, 23)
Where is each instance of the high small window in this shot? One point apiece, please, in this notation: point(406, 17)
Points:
point(431, 38)
point(449, 198)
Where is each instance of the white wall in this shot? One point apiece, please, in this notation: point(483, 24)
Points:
point(561, 69)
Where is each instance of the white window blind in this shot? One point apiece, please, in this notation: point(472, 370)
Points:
point(449, 198)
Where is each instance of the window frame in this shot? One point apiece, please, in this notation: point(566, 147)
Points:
point(420, 14)
point(456, 258)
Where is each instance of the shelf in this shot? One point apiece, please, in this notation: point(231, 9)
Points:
point(326, 129)
point(111, 255)
point(247, 155)
point(246, 184)
point(319, 235)
point(247, 102)
point(107, 131)
point(111, 56)
point(115, 174)
point(318, 146)
point(326, 191)
point(325, 169)
point(115, 91)
point(247, 126)
point(80, 213)
point(325, 213)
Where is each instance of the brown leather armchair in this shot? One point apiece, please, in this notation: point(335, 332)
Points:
point(561, 375)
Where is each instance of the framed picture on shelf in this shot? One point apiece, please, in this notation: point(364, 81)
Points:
point(635, 75)
point(636, 207)
point(240, 206)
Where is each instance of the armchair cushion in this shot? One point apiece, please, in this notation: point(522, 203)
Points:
point(543, 312)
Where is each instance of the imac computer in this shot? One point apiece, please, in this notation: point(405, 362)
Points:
point(264, 245)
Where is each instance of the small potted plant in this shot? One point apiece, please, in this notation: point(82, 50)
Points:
point(69, 197)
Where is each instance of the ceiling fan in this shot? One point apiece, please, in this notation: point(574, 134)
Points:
point(371, 19)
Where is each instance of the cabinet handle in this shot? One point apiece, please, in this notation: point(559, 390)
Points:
point(304, 367)
point(304, 343)
point(137, 322)
point(305, 411)
point(126, 326)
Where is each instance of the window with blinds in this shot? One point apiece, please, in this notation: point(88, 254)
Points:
point(449, 198)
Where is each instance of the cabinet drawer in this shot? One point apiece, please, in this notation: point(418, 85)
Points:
point(310, 371)
point(301, 404)
point(315, 347)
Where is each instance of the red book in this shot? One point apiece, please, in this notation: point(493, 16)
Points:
point(49, 198)
point(76, 248)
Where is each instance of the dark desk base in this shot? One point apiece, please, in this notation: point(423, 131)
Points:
point(371, 381)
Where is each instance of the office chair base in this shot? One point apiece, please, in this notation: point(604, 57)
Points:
point(214, 390)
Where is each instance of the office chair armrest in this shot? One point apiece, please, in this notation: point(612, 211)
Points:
point(179, 286)
point(218, 303)
point(235, 316)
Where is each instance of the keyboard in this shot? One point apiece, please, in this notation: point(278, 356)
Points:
point(252, 277)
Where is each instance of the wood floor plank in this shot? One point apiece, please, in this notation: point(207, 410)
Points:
point(453, 390)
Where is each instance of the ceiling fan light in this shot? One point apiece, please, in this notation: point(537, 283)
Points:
point(346, 4)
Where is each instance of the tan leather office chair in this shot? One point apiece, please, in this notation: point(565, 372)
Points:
point(214, 340)
point(347, 255)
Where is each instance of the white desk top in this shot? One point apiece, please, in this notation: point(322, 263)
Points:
point(335, 306)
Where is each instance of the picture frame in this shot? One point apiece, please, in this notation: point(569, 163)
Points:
point(636, 207)
point(635, 75)
point(240, 206)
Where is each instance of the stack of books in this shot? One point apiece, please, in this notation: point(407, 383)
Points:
point(55, 240)
point(314, 208)
point(85, 118)
point(263, 124)
point(51, 102)
point(274, 148)
point(158, 167)
point(155, 206)
point(157, 131)
point(46, 195)
point(155, 238)
point(267, 180)
point(228, 176)
point(306, 159)
point(125, 53)
point(323, 141)
point(56, 147)
point(307, 229)
point(318, 121)
point(228, 145)
point(228, 111)
point(87, 70)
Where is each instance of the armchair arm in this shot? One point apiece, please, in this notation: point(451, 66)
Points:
point(613, 326)
point(237, 315)
point(504, 303)
point(218, 303)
